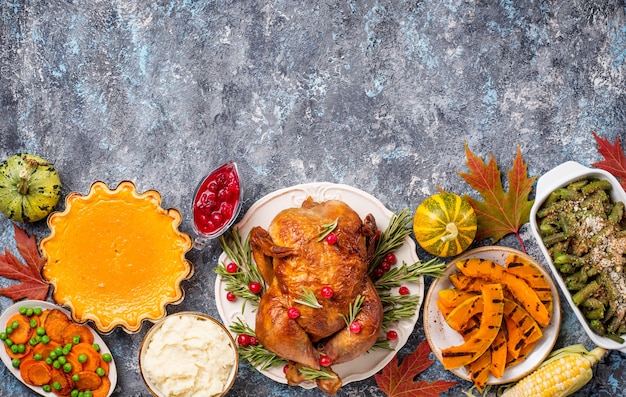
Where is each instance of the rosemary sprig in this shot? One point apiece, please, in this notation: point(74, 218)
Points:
point(239, 252)
point(355, 307)
point(327, 229)
point(398, 307)
point(307, 298)
point(381, 344)
point(392, 238)
point(257, 355)
point(410, 273)
point(310, 373)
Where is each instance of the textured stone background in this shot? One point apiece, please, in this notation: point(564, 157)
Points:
point(380, 95)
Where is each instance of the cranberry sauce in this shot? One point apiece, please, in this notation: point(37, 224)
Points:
point(217, 199)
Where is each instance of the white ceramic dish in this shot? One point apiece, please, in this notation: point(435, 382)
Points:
point(148, 337)
point(11, 310)
point(557, 177)
point(440, 335)
point(263, 211)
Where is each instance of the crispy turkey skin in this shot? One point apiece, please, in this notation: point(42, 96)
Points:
point(292, 260)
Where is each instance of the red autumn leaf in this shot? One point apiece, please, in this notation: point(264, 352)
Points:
point(31, 285)
point(501, 212)
point(614, 158)
point(397, 381)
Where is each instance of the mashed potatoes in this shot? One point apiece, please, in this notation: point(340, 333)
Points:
point(189, 356)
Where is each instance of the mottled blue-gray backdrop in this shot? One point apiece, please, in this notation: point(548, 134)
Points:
point(380, 95)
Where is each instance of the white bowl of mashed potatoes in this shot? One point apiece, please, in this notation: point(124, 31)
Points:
point(188, 354)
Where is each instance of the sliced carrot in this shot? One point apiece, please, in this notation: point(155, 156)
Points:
point(25, 364)
point(23, 332)
point(56, 323)
point(27, 350)
point(82, 331)
point(88, 380)
point(77, 366)
point(45, 349)
point(65, 382)
point(105, 366)
point(39, 373)
point(103, 389)
point(93, 357)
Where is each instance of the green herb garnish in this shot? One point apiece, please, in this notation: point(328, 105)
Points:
point(307, 298)
point(310, 374)
point(355, 308)
point(257, 355)
point(392, 238)
point(327, 229)
point(410, 273)
point(239, 252)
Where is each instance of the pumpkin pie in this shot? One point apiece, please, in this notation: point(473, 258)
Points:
point(116, 257)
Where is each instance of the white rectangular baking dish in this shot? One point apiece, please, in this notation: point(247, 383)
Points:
point(558, 177)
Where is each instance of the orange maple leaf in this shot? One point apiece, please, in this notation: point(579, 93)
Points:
point(501, 212)
point(614, 158)
point(397, 380)
point(31, 285)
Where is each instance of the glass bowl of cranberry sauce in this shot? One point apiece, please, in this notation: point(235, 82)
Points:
point(216, 203)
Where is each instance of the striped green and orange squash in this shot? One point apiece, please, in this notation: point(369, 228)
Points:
point(444, 224)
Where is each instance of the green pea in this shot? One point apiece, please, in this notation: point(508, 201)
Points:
point(58, 350)
point(14, 349)
point(76, 378)
point(21, 348)
point(82, 358)
point(37, 311)
point(46, 388)
point(45, 339)
point(33, 341)
point(53, 355)
point(67, 350)
point(8, 342)
point(56, 386)
point(22, 310)
point(3, 335)
point(76, 339)
point(33, 323)
point(62, 360)
point(49, 360)
point(88, 393)
point(15, 324)
point(107, 357)
point(56, 364)
point(38, 356)
point(16, 362)
point(9, 330)
point(74, 393)
point(29, 311)
point(96, 346)
point(67, 368)
point(100, 371)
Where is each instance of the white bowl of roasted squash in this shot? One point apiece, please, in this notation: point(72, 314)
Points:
point(493, 317)
point(579, 222)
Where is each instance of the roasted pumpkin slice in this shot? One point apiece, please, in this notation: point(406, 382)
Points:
point(459, 316)
point(477, 344)
point(479, 370)
point(520, 326)
point(452, 297)
point(524, 352)
point(521, 267)
point(498, 354)
point(519, 288)
point(466, 283)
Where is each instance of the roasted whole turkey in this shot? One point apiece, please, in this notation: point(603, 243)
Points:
point(294, 260)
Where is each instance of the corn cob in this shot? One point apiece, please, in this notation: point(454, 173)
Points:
point(565, 371)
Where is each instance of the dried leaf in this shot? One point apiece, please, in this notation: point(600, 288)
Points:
point(501, 212)
point(614, 158)
point(31, 285)
point(397, 381)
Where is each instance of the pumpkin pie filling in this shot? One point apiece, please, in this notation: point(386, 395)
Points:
point(116, 257)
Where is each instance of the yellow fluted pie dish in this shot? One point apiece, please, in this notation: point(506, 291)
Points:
point(116, 257)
